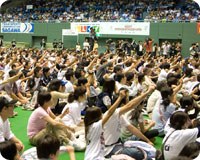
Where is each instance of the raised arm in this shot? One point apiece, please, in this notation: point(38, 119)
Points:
point(113, 107)
point(136, 101)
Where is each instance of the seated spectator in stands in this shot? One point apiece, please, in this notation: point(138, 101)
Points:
point(6, 111)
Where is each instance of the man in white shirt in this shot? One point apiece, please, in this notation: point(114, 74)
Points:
point(6, 111)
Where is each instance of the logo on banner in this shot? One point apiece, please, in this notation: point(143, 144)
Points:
point(17, 27)
point(86, 29)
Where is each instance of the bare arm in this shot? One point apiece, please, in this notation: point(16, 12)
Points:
point(113, 107)
point(145, 129)
point(138, 134)
point(19, 144)
point(136, 101)
point(12, 79)
point(54, 123)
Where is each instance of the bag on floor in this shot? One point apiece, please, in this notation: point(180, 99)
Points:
point(150, 150)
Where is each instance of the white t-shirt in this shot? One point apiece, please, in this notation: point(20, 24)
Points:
point(5, 132)
point(69, 87)
point(177, 140)
point(112, 129)
point(95, 142)
point(163, 75)
point(74, 115)
point(86, 45)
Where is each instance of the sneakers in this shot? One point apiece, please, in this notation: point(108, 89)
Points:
point(28, 106)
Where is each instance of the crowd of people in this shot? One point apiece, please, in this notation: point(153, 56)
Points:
point(96, 102)
point(103, 11)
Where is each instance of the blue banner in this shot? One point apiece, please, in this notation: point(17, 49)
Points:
point(12, 27)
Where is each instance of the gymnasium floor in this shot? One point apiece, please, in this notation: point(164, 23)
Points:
point(19, 128)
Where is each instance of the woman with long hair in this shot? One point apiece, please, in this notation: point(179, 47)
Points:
point(94, 130)
point(163, 109)
point(105, 98)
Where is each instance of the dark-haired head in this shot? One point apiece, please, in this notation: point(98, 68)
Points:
point(43, 97)
point(47, 146)
point(82, 81)
point(69, 75)
point(119, 77)
point(31, 83)
point(160, 85)
point(166, 65)
point(140, 77)
point(92, 115)
point(129, 76)
point(37, 72)
point(54, 85)
point(117, 69)
point(109, 86)
point(179, 120)
point(46, 70)
point(172, 81)
point(189, 72)
point(166, 93)
point(8, 150)
point(78, 95)
point(186, 102)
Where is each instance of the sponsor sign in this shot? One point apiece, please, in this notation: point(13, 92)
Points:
point(17, 27)
point(120, 28)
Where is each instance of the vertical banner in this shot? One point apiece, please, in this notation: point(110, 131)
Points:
point(198, 28)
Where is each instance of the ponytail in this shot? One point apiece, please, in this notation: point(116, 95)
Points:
point(165, 93)
point(79, 91)
point(166, 102)
point(71, 97)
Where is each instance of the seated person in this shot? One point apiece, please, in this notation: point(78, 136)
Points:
point(12, 89)
point(6, 111)
point(47, 148)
